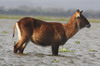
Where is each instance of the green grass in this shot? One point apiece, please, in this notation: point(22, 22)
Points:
point(55, 61)
point(77, 42)
point(94, 20)
point(66, 50)
point(46, 18)
point(10, 17)
point(4, 32)
point(92, 50)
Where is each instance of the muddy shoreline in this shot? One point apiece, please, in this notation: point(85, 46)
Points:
point(86, 53)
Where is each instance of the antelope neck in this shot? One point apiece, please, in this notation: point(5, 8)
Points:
point(71, 28)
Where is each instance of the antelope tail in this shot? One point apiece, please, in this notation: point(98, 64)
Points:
point(14, 30)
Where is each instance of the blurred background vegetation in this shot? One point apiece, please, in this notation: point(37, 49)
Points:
point(39, 11)
point(44, 13)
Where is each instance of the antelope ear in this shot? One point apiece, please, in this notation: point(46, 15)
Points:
point(81, 11)
point(77, 10)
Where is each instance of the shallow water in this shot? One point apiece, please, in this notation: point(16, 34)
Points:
point(86, 53)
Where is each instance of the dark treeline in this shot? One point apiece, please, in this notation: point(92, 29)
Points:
point(24, 10)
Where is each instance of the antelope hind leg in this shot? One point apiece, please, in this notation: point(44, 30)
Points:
point(19, 45)
point(21, 49)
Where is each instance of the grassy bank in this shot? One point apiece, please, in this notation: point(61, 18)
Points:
point(47, 18)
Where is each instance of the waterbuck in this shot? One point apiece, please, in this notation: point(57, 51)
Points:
point(48, 33)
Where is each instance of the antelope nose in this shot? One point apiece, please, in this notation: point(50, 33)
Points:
point(88, 26)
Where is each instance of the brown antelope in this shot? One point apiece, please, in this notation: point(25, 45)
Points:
point(48, 33)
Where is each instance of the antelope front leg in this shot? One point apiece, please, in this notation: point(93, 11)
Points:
point(55, 49)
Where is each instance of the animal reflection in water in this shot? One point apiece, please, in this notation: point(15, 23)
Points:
point(44, 33)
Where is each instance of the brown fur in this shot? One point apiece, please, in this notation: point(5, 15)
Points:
point(48, 33)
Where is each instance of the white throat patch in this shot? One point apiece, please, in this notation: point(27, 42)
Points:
point(78, 15)
point(78, 25)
